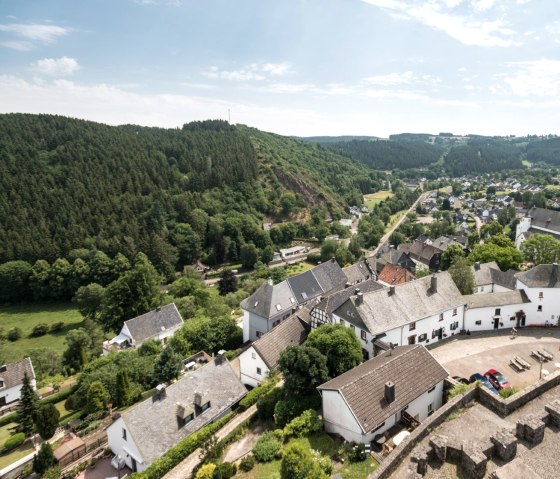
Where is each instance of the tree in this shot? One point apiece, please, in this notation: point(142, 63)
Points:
point(449, 255)
point(297, 462)
point(44, 459)
point(54, 472)
point(267, 254)
point(507, 257)
point(26, 407)
point(168, 365)
point(14, 281)
point(340, 346)
point(122, 396)
point(328, 250)
point(75, 356)
point(89, 299)
point(541, 249)
point(206, 471)
point(248, 255)
point(304, 368)
point(227, 283)
point(462, 275)
point(97, 397)
point(46, 420)
point(446, 204)
point(491, 229)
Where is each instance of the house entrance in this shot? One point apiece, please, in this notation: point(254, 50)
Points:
point(2, 401)
point(134, 465)
point(365, 354)
point(521, 321)
point(496, 323)
point(412, 339)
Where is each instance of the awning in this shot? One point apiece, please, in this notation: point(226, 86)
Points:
point(121, 338)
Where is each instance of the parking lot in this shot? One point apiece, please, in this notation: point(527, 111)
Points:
point(479, 352)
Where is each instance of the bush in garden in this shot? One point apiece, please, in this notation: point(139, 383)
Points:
point(288, 408)
point(266, 448)
point(14, 441)
point(228, 469)
point(40, 329)
point(14, 334)
point(306, 423)
point(267, 403)
point(206, 472)
point(356, 452)
point(247, 463)
point(324, 462)
point(55, 327)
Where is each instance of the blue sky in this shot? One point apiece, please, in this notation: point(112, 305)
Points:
point(294, 67)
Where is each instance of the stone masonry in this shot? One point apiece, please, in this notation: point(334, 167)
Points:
point(505, 444)
point(553, 409)
point(530, 429)
point(473, 460)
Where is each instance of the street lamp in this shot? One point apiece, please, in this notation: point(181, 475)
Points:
point(540, 372)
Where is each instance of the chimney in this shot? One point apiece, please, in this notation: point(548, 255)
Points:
point(333, 260)
point(3, 368)
point(477, 266)
point(347, 285)
point(357, 290)
point(359, 298)
point(389, 392)
point(157, 309)
point(160, 392)
point(433, 287)
point(391, 290)
point(221, 353)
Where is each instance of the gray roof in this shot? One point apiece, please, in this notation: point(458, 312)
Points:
point(292, 331)
point(420, 251)
point(13, 374)
point(335, 300)
point(357, 272)
point(269, 300)
point(151, 324)
point(490, 273)
point(543, 218)
point(382, 311)
point(541, 276)
point(153, 423)
point(305, 286)
point(412, 369)
point(329, 275)
point(444, 242)
point(502, 298)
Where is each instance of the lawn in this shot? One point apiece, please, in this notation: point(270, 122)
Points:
point(298, 268)
point(26, 317)
point(372, 199)
point(394, 218)
point(5, 433)
point(21, 451)
point(64, 413)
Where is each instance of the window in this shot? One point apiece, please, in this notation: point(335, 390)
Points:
point(275, 323)
point(539, 308)
point(1, 383)
point(124, 433)
point(441, 316)
point(512, 318)
point(259, 334)
point(342, 322)
point(431, 389)
point(433, 333)
point(479, 322)
point(455, 312)
point(422, 337)
point(188, 419)
point(497, 311)
point(278, 307)
point(205, 406)
point(259, 372)
point(454, 326)
point(352, 327)
point(412, 326)
point(541, 295)
point(254, 355)
point(364, 335)
point(430, 409)
point(482, 289)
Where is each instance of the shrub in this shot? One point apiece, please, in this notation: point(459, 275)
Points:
point(298, 462)
point(247, 463)
point(254, 395)
point(228, 470)
point(458, 390)
point(14, 441)
point(288, 408)
point(508, 392)
point(8, 419)
point(324, 462)
point(40, 330)
point(60, 396)
point(206, 472)
point(55, 327)
point(266, 448)
point(14, 334)
point(267, 403)
point(307, 422)
point(356, 452)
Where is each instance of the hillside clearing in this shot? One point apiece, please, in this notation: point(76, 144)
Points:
point(374, 198)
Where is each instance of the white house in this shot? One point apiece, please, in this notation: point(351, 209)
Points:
point(11, 379)
point(159, 324)
point(263, 355)
point(542, 286)
point(538, 220)
point(489, 278)
point(269, 305)
point(491, 311)
point(401, 384)
point(148, 430)
point(424, 311)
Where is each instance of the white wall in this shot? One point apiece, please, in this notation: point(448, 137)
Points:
point(125, 448)
point(550, 303)
point(13, 394)
point(490, 288)
point(486, 317)
point(249, 361)
point(253, 323)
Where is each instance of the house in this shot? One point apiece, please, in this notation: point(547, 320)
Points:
point(263, 355)
point(444, 242)
point(401, 384)
point(198, 266)
point(538, 220)
point(502, 310)
point(424, 255)
point(489, 278)
point(270, 304)
point(392, 275)
point(148, 430)
point(159, 324)
point(347, 221)
point(542, 286)
point(425, 311)
point(11, 380)
point(358, 272)
point(288, 253)
point(396, 257)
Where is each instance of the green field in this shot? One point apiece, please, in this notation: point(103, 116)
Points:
point(26, 317)
point(298, 268)
point(394, 218)
point(527, 163)
point(372, 199)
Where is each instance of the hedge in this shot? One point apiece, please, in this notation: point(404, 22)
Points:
point(181, 450)
point(8, 419)
point(60, 396)
point(67, 419)
point(14, 441)
point(255, 394)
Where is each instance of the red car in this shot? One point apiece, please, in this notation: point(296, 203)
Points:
point(497, 379)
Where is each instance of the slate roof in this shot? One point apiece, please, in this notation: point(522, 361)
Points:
point(329, 275)
point(541, 276)
point(502, 298)
point(357, 272)
point(394, 275)
point(382, 311)
point(444, 242)
point(153, 423)
point(292, 331)
point(305, 286)
point(490, 273)
point(13, 375)
point(412, 369)
point(420, 251)
point(335, 300)
point(154, 322)
point(543, 218)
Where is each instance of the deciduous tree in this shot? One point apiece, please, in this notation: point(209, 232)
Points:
point(541, 249)
point(304, 368)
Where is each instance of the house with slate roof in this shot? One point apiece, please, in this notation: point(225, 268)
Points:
point(11, 380)
point(425, 256)
point(159, 324)
point(148, 430)
point(358, 272)
point(269, 305)
point(489, 278)
point(538, 220)
point(263, 355)
point(493, 311)
point(366, 401)
point(542, 286)
point(424, 311)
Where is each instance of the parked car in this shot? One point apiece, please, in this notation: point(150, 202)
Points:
point(497, 379)
point(459, 379)
point(479, 377)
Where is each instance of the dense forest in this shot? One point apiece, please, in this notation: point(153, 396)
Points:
point(544, 150)
point(390, 155)
point(200, 192)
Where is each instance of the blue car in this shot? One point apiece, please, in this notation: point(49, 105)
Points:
point(484, 381)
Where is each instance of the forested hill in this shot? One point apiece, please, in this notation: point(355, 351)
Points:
point(199, 192)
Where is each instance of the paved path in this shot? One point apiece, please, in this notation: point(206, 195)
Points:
point(185, 468)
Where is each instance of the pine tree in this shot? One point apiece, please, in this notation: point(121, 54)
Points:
point(26, 407)
point(123, 389)
point(168, 365)
point(46, 420)
point(44, 459)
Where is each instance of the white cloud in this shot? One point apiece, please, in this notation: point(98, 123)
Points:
point(538, 78)
point(22, 46)
point(467, 29)
point(391, 79)
point(482, 5)
point(56, 67)
point(252, 72)
point(35, 31)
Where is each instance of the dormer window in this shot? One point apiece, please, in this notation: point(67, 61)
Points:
point(201, 403)
point(278, 307)
point(185, 414)
point(2, 383)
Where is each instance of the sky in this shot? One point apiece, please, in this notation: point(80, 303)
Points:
point(293, 67)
